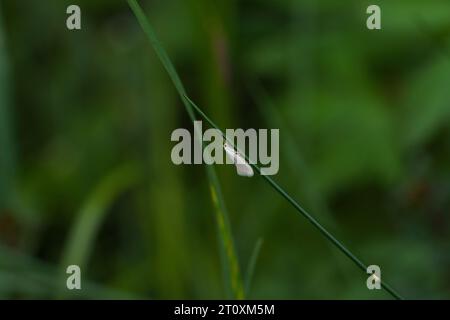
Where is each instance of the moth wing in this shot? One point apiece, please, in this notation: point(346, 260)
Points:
point(230, 153)
point(242, 167)
point(244, 170)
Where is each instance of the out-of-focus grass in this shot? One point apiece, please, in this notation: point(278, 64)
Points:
point(22, 276)
point(252, 265)
point(229, 259)
point(295, 204)
point(7, 154)
point(366, 112)
point(93, 212)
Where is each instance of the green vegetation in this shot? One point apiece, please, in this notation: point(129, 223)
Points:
point(85, 170)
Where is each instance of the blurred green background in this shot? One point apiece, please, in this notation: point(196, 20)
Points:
point(85, 170)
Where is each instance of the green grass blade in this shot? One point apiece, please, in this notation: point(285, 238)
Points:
point(296, 163)
point(24, 275)
point(252, 264)
point(161, 53)
point(231, 268)
point(300, 209)
point(189, 104)
point(92, 213)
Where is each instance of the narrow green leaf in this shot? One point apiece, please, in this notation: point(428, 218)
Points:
point(252, 264)
point(231, 268)
point(92, 214)
point(189, 104)
point(300, 209)
point(24, 275)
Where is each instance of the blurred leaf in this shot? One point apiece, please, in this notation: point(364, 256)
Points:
point(7, 154)
point(252, 265)
point(93, 212)
point(427, 102)
point(222, 217)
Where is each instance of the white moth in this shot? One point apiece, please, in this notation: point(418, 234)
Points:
point(242, 167)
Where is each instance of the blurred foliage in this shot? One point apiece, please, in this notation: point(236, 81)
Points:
point(85, 169)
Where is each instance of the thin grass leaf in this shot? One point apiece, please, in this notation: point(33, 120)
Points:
point(252, 264)
point(231, 267)
point(296, 163)
point(24, 275)
point(90, 218)
point(92, 214)
point(189, 104)
point(223, 225)
point(300, 209)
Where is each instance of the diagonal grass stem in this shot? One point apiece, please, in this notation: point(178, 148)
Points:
point(226, 238)
point(300, 209)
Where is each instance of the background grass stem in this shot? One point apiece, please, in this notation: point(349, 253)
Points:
point(231, 266)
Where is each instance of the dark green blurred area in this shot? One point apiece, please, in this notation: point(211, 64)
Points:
point(86, 176)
